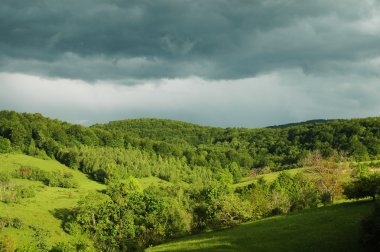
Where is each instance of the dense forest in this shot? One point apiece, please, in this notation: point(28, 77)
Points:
point(188, 144)
point(201, 164)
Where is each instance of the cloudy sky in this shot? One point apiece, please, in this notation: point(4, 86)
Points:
point(213, 62)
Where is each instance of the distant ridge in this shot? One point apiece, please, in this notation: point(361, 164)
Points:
point(309, 122)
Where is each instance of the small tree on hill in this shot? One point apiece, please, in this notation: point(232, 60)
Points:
point(363, 187)
point(328, 173)
point(5, 145)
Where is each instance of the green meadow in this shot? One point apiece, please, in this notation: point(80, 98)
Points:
point(45, 208)
point(332, 228)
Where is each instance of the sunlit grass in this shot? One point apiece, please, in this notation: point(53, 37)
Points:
point(40, 210)
point(333, 228)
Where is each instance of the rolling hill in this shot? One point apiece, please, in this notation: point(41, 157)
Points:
point(49, 203)
point(333, 228)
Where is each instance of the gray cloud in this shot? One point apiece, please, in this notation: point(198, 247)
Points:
point(264, 100)
point(213, 39)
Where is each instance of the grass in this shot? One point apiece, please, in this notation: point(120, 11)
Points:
point(43, 209)
point(269, 177)
point(333, 228)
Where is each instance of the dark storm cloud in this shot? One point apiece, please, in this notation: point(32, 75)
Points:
point(217, 39)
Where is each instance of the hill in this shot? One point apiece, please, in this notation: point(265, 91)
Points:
point(277, 148)
point(333, 228)
point(159, 179)
point(309, 122)
point(45, 209)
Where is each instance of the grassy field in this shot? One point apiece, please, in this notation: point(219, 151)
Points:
point(333, 228)
point(43, 209)
point(269, 177)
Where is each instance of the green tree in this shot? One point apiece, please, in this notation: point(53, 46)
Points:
point(5, 145)
point(363, 187)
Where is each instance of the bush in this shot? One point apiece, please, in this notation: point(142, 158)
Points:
point(53, 178)
point(62, 247)
point(6, 222)
point(13, 193)
point(326, 198)
point(363, 187)
point(230, 210)
point(5, 145)
point(17, 223)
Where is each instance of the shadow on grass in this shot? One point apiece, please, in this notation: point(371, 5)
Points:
point(330, 228)
point(63, 214)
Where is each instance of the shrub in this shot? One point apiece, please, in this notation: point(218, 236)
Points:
point(5, 145)
point(363, 187)
point(6, 222)
point(17, 223)
point(62, 247)
point(53, 178)
point(12, 193)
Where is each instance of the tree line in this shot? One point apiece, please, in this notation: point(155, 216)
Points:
point(278, 148)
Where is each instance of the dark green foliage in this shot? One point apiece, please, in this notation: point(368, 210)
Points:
point(279, 148)
point(367, 185)
point(127, 218)
point(201, 164)
point(301, 192)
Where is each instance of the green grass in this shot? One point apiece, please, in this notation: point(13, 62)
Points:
point(42, 209)
point(269, 177)
point(333, 228)
point(154, 181)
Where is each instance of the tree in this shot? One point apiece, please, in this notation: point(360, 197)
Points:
point(5, 145)
point(363, 187)
point(229, 210)
point(328, 173)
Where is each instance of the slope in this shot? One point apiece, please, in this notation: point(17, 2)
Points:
point(45, 208)
point(333, 228)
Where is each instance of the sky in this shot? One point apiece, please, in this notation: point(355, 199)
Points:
point(212, 62)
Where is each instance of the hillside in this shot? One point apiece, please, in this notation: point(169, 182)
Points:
point(334, 228)
point(148, 181)
point(49, 203)
point(277, 148)
point(309, 122)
